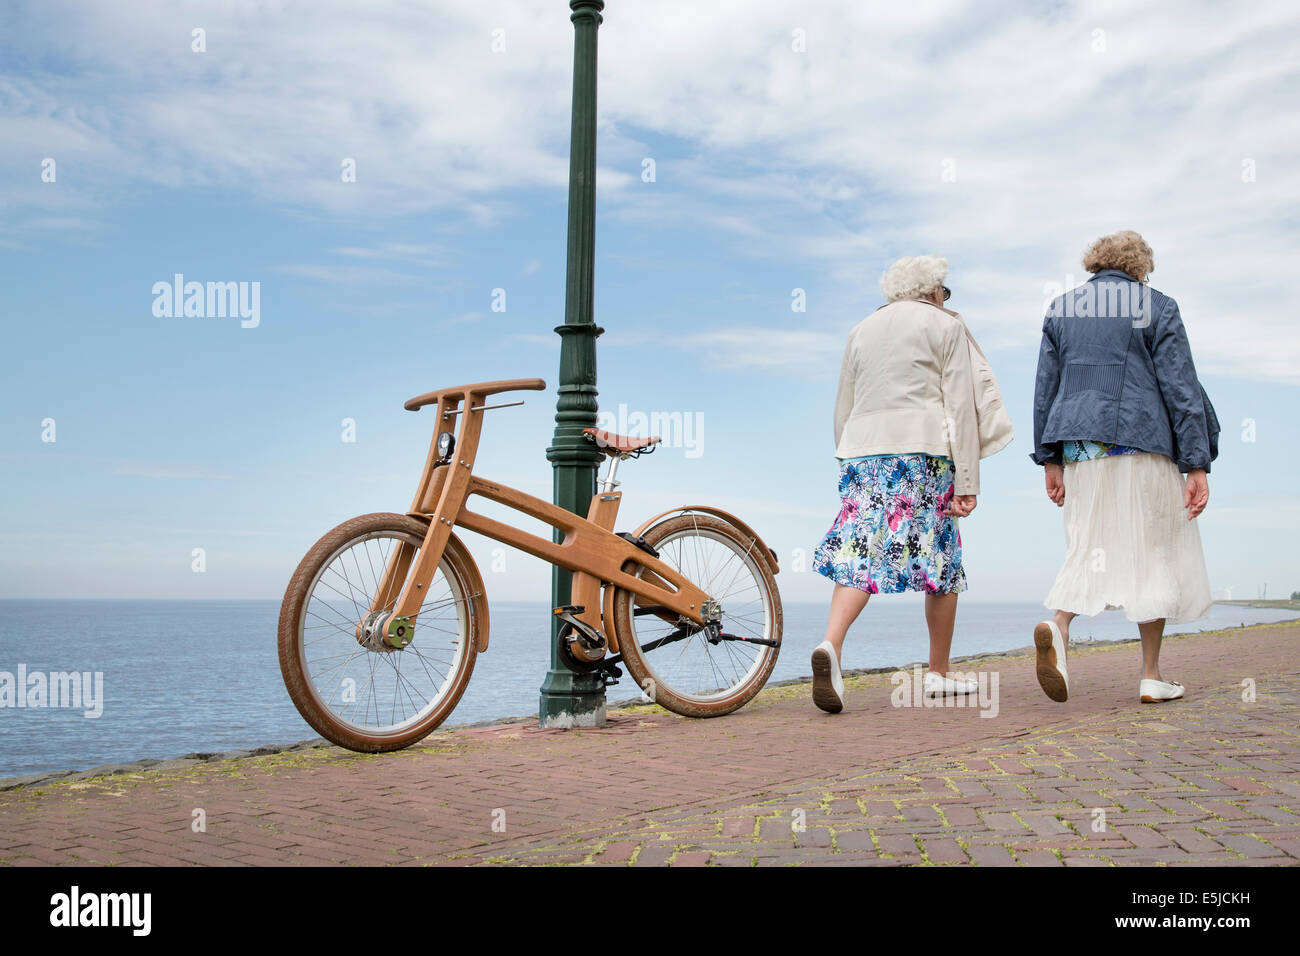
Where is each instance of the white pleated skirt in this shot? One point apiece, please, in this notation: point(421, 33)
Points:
point(1129, 544)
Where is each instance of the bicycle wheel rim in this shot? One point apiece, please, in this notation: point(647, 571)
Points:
point(388, 698)
point(692, 669)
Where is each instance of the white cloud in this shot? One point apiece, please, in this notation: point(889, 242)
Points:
point(423, 254)
point(792, 351)
point(827, 160)
point(360, 275)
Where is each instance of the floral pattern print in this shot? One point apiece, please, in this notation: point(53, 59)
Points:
point(891, 534)
point(1088, 450)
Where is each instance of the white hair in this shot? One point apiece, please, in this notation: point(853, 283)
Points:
point(913, 277)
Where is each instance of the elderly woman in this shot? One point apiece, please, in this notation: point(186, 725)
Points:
point(1118, 415)
point(913, 415)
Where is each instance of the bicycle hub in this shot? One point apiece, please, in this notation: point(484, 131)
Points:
point(371, 636)
point(400, 633)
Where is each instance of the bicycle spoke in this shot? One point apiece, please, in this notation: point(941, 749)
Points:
point(695, 667)
point(374, 690)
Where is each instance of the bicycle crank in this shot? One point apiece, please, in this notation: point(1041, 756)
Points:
point(582, 646)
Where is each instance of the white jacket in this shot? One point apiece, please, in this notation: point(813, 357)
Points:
point(996, 430)
point(914, 381)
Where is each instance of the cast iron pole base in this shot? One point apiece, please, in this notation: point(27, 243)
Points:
point(571, 700)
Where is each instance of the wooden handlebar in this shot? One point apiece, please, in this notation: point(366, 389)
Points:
point(478, 389)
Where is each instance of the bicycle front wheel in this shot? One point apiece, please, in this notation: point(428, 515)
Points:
point(694, 675)
point(354, 690)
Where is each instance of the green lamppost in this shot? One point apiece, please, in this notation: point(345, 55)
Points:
point(571, 699)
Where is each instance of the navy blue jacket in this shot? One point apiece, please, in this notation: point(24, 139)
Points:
point(1114, 366)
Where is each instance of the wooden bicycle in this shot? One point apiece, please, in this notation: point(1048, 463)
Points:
point(384, 617)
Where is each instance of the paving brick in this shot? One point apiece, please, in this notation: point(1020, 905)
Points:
point(1249, 846)
point(990, 855)
point(943, 850)
point(1208, 781)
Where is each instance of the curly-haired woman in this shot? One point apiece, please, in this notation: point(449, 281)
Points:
point(1118, 414)
point(917, 407)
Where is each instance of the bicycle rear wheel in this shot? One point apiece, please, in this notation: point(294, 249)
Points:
point(361, 694)
point(693, 675)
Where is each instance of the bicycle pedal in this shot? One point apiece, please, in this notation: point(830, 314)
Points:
point(569, 609)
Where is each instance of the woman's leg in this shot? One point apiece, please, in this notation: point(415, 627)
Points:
point(940, 616)
point(1063, 619)
point(1051, 638)
point(846, 604)
point(1152, 632)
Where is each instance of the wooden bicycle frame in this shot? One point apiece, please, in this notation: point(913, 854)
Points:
point(589, 548)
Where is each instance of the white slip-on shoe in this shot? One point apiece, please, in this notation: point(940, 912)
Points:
point(1050, 664)
point(1159, 691)
point(941, 685)
point(828, 685)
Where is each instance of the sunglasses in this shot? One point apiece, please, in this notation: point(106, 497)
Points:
point(947, 293)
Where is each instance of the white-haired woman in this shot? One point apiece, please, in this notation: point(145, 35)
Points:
point(1118, 414)
point(915, 395)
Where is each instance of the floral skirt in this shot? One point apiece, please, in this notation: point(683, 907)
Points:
point(891, 534)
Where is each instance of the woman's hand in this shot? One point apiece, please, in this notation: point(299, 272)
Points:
point(1055, 476)
point(959, 506)
point(1196, 495)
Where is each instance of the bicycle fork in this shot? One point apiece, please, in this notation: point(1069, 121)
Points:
point(403, 587)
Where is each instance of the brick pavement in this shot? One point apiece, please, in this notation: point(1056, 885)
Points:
point(1100, 780)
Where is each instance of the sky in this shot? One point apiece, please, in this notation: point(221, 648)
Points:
point(393, 178)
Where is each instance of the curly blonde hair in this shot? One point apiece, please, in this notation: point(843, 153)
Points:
point(1124, 250)
point(913, 277)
